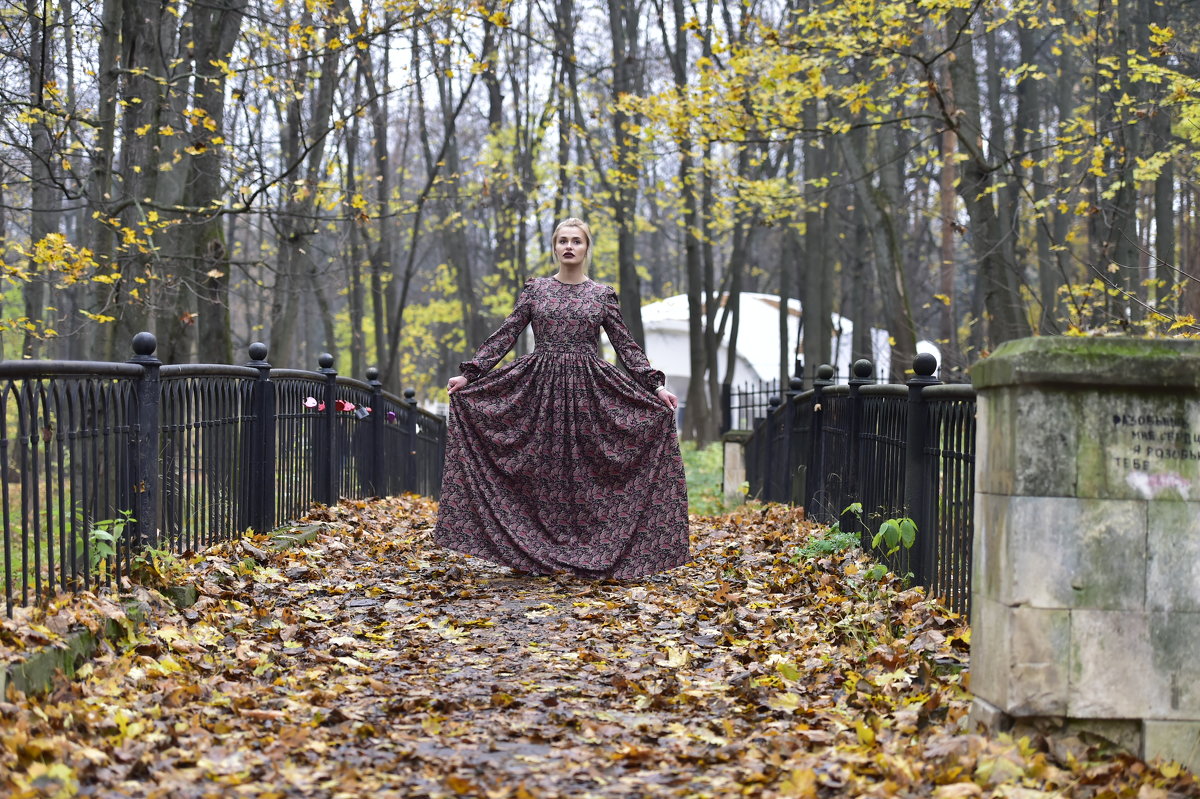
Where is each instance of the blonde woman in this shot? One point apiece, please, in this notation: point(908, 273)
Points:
point(560, 462)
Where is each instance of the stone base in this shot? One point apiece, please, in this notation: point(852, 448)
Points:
point(1172, 740)
point(987, 718)
point(1149, 739)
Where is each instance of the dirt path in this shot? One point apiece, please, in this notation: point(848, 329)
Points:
point(368, 664)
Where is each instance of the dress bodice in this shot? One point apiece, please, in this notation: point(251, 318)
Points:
point(566, 317)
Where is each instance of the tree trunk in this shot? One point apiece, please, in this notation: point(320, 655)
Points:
point(564, 42)
point(948, 327)
point(99, 192)
point(1029, 118)
point(880, 205)
point(43, 215)
point(735, 266)
point(699, 424)
point(298, 225)
point(217, 25)
point(454, 237)
point(817, 295)
point(382, 297)
point(997, 274)
point(354, 234)
point(1121, 246)
point(623, 17)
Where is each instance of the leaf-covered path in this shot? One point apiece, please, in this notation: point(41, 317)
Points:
point(367, 663)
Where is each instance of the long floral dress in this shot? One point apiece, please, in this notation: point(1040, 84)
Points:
point(559, 461)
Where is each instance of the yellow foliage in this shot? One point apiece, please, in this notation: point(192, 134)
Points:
point(54, 255)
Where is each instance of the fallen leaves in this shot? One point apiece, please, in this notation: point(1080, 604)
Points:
point(362, 661)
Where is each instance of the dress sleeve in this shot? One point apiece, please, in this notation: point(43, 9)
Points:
point(628, 351)
point(499, 343)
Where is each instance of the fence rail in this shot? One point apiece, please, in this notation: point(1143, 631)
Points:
point(899, 450)
point(102, 460)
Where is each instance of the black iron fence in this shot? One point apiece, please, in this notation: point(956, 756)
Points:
point(897, 450)
point(104, 460)
point(741, 405)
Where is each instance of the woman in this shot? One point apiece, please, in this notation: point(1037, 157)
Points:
point(559, 462)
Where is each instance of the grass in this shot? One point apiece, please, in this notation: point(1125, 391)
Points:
point(705, 468)
point(706, 497)
point(831, 542)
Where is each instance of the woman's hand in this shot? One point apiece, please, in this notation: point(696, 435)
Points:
point(668, 399)
point(455, 384)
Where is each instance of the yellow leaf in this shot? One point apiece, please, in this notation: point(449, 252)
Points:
point(800, 783)
point(164, 666)
point(787, 671)
point(787, 702)
point(56, 780)
point(676, 658)
point(957, 790)
point(866, 735)
point(167, 634)
point(460, 785)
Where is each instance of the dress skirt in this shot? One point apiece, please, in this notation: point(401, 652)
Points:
point(559, 461)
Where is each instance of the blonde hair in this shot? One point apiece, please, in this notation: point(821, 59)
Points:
point(587, 234)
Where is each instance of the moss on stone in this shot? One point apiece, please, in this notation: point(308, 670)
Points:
point(1062, 360)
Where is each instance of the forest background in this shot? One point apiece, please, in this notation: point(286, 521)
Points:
point(377, 178)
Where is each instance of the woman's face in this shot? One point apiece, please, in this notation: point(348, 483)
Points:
point(570, 246)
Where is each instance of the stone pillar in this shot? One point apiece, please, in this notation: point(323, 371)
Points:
point(733, 446)
point(1085, 605)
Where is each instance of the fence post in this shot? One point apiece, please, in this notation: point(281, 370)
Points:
point(259, 513)
point(816, 442)
point(861, 375)
point(327, 436)
point(726, 408)
point(410, 431)
point(916, 490)
point(144, 480)
point(770, 474)
point(793, 458)
point(375, 420)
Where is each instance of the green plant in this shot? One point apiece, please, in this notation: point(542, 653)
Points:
point(893, 534)
point(103, 537)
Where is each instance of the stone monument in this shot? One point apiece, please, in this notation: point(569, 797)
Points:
point(1085, 603)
